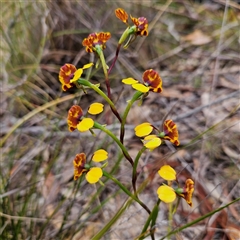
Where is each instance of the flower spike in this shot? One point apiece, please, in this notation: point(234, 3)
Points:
point(95, 41)
point(139, 28)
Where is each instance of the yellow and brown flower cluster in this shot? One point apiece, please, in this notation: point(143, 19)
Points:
point(93, 174)
point(168, 194)
point(95, 40)
point(151, 82)
point(69, 74)
point(151, 141)
point(76, 119)
point(140, 24)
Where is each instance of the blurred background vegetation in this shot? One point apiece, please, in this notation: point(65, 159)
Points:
point(195, 48)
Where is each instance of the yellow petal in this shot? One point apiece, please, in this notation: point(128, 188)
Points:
point(166, 194)
point(87, 65)
point(167, 173)
point(100, 155)
point(85, 124)
point(95, 108)
point(94, 175)
point(152, 141)
point(143, 129)
point(129, 81)
point(140, 87)
point(77, 75)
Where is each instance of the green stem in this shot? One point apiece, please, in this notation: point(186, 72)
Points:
point(121, 186)
point(199, 219)
point(102, 94)
point(134, 172)
point(110, 134)
point(100, 234)
point(104, 65)
point(118, 214)
point(135, 97)
point(151, 218)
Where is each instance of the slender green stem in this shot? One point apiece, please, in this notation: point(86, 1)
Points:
point(104, 65)
point(126, 191)
point(134, 172)
point(135, 97)
point(110, 134)
point(199, 219)
point(85, 82)
point(118, 214)
point(151, 219)
point(121, 186)
point(100, 234)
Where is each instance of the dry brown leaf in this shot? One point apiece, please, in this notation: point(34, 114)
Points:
point(230, 152)
point(197, 38)
point(232, 231)
point(225, 83)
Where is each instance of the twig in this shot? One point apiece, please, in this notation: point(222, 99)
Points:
point(22, 218)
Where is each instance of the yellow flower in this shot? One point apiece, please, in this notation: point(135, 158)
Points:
point(95, 108)
point(170, 132)
point(69, 74)
point(76, 118)
point(94, 174)
point(143, 129)
point(167, 173)
point(129, 81)
point(79, 72)
point(85, 124)
point(151, 82)
point(100, 155)
point(166, 194)
point(151, 142)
